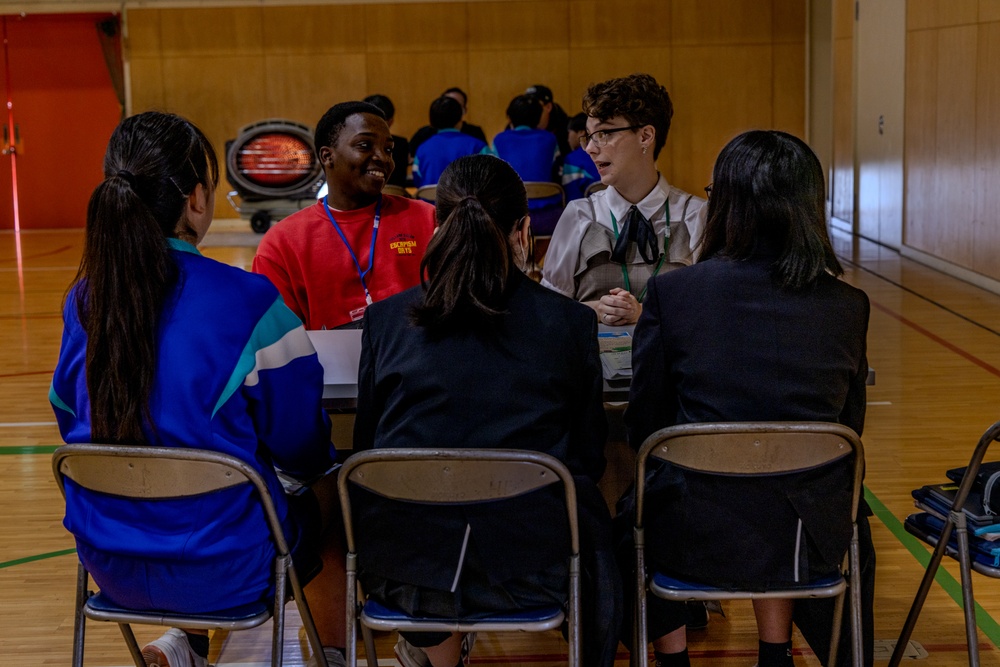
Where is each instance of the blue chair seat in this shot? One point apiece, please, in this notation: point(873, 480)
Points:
point(665, 585)
point(99, 607)
point(379, 616)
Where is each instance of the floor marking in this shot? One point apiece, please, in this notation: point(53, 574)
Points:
point(37, 557)
point(28, 449)
point(26, 424)
point(918, 550)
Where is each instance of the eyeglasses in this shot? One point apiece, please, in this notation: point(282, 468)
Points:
point(600, 138)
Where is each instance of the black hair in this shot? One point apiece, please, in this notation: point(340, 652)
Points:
point(383, 103)
point(541, 93)
point(465, 98)
point(767, 191)
point(153, 163)
point(637, 98)
point(445, 112)
point(332, 123)
point(524, 110)
point(468, 265)
point(577, 123)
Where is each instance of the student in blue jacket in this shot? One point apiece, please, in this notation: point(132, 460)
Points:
point(165, 347)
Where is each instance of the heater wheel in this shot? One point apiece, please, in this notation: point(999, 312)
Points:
point(260, 222)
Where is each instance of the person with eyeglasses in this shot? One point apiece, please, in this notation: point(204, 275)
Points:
point(607, 246)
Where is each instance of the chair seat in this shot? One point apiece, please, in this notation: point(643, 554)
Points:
point(666, 586)
point(99, 607)
point(378, 616)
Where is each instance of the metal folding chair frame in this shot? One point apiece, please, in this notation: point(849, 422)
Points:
point(956, 521)
point(751, 448)
point(169, 472)
point(454, 476)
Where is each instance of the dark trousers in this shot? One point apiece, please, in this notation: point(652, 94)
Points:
point(814, 618)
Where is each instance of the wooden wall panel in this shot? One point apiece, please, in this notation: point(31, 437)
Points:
point(789, 21)
point(412, 89)
point(989, 10)
point(302, 87)
point(143, 33)
point(986, 231)
point(589, 24)
point(922, 14)
point(842, 163)
point(789, 93)
point(729, 66)
point(725, 22)
point(150, 94)
point(495, 86)
point(940, 202)
point(706, 123)
point(315, 29)
point(502, 26)
point(920, 138)
point(416, 27)
point(213, 32)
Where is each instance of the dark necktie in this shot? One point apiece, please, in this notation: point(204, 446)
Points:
point(636, 229)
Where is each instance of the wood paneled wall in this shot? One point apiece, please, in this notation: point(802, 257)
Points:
point(842, 162)
point(953, 132)
point(730, 65)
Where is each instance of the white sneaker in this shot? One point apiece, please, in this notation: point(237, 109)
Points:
point(409, 655)
point(172, 650)
point(468, 641)
point(334, 658)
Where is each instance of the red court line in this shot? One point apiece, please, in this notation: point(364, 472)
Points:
point(937, 339)
point(26, 373)
point(47, 253)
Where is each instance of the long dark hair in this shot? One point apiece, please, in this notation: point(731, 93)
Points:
point(767, 191)
point(153, 163)
point(465, 272)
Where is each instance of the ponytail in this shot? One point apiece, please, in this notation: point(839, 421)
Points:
point(154, 161)
point(465, 270)
point(468, 266)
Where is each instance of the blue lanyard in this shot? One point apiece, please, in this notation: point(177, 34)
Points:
point(354, 258)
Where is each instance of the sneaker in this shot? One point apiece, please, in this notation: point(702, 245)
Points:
point(334, 658)
point(468, 641)
point(172, 650)
point(697, 615)
point(409, 655)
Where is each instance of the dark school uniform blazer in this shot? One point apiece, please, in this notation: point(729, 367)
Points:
point(534, 382)
point(722, 341)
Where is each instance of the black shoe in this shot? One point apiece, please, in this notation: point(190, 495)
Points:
point(697, 615)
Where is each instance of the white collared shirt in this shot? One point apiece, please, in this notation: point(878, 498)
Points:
point(687, 217)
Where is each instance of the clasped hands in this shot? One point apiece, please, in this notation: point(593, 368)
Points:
point(618, 308)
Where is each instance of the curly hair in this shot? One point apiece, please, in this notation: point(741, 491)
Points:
point(637, 98)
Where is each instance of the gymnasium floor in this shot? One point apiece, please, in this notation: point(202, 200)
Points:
point(934, 342)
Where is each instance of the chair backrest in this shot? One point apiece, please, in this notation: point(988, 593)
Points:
point(427, 193)
point(397, 190)
point(149, 473)
point(596, 186)
point(542, 189)
point(454, 476)
point(752, 448)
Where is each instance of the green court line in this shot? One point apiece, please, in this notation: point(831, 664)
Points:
point(31, 559)
point(29, 449)
point(943, 578)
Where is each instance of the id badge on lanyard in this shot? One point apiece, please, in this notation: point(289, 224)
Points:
point(358, 313)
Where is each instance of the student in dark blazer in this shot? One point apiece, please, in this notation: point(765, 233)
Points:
point(482, 356)
point(759, 329)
